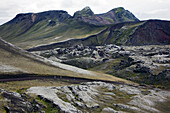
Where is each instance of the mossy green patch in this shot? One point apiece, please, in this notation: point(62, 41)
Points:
point(62, 96)
point(3, 103)
point(22, 90)
point(49, 107)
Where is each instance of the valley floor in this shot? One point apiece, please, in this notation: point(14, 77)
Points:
point(148, 64)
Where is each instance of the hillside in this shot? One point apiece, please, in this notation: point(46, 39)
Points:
point(14, 61)
point(150, 32)
point(32, 29)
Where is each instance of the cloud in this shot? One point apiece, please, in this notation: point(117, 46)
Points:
point(155, 14)
point(157, 11)
point(143, 9)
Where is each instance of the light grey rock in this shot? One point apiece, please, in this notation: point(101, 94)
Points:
point(53, 58)
point(95, 54)
point(84, 94)
point(80, 104)
point(110, 110)
point(147, 102)
point(111, 94)
point(63, 57)
point(92, 105)
point(129, 89)
point(124, 53)
point(50, 94)
point(127, 107)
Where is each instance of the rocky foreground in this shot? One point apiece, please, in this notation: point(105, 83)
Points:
point(89, 97)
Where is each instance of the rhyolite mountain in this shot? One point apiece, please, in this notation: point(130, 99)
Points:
point(116, 15)
point(150, 32)
point(32, 29)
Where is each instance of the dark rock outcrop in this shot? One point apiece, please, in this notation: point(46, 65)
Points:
point(140, 68)
point(18, 103)
point(164, 75)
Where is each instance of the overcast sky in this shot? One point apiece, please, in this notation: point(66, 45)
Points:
point(142, 9)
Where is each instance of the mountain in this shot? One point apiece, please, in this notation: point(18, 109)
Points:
point(23, 22)
point(32, 29)
point(116, 15)
point(150, 32)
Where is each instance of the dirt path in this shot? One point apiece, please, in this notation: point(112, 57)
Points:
point(22, 77)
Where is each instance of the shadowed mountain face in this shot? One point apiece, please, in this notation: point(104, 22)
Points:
point(23, 22)
point(151, 32)
point(32, 29)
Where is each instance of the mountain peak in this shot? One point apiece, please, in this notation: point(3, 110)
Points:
point(86, 8)
point(122, 14)
point(84, 12)
point(118, 9)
